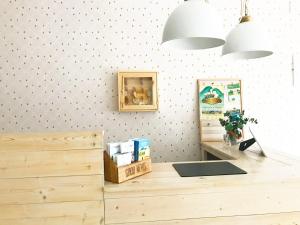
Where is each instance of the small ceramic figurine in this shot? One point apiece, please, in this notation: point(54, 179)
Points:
point(140, 96)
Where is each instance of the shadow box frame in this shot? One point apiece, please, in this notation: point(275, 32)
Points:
point(122, 76)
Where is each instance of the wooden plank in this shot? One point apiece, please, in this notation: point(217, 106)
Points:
point(213, 130)
point(51, 179)
point(270, 199)
point(50, 163)
point(163, 197)
point(51, 189)
point(292, 218)
point(63, 220)
point(225, 151)
point(164, 180)
point(211, 137)
point(53, 213)
point(267, 168)
point(197, 185)
point(51, 141)
point(210, 123)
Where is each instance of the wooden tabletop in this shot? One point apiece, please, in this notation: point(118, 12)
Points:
point(267, 194)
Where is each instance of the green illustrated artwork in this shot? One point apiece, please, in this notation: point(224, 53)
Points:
point(217, 97)
point(212, 101)
point(234, 92)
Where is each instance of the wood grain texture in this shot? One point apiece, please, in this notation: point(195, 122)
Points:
point(224, 151)
point(211, 130)
point(51, 189)
point(124, 173)
point(48, 179)
point(122, 75)
point(51, 141)
point(163, 197)
point(239, 201)
point(231, 152)
point(80, 210)
point(50, 163)
point(164, 180)
point(62, 220)
point(292, 218)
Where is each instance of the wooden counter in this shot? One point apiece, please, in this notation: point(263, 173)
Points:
point(51, 179)
point(267, 195)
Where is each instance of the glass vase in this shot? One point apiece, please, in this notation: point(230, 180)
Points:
point(231, 140)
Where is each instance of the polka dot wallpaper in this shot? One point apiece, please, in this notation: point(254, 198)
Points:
point(59, 62)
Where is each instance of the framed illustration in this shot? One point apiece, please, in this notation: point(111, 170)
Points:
point(215, 98)
point(137, 91)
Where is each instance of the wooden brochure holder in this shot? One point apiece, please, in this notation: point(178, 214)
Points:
point(118, 175)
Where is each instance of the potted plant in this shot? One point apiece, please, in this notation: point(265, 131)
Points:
point(233, 122)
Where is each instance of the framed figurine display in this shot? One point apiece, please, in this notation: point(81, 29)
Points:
point(215, 98)
point(137, 91)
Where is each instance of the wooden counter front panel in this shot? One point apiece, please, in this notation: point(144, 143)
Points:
point(54, 212)
point(238, 202)
point(292, 218)
point(50, 163)
point(51, 141)
point(51, 179)
point(51, 189)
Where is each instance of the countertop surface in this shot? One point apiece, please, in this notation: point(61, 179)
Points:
point(270, 187)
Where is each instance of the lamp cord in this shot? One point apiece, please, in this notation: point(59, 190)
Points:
point(244, 8)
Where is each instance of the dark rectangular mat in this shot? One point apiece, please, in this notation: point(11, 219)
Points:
point(207, 169)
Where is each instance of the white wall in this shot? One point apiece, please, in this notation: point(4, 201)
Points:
point(58, 64)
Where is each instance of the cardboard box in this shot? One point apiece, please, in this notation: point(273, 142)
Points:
point(141, 144)
point(113, 148)
point(144, 153)
point(122, 159)
point(127, 146)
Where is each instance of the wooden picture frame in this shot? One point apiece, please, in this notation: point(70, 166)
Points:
point(137, 91)
point(215, 97)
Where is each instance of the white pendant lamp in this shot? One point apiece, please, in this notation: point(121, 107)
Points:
point(247, 40)
point(193, 25)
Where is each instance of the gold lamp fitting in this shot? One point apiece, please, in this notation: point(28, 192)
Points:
point(245, 19)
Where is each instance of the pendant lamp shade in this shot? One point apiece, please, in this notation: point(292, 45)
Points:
point(193, 25)
point(247, 41)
